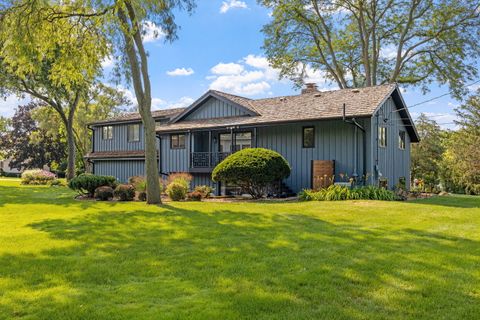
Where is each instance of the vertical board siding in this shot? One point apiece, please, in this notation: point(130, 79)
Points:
point(174, 160)
point(333, 141)
point(393, 162)
point(119, 141)
point(214, 108)
point(203, 179)
point(120, 169)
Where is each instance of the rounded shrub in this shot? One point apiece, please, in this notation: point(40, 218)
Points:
point(37, 177)
point(252, 169)
point(125, 192)
point(195, 196)
point(87, 183)
point(177, 191)
point(104, 193)
point(204, 190)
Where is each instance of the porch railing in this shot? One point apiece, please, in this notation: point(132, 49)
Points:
point(207, 159)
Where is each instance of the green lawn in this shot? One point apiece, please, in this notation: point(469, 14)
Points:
point(66, 259)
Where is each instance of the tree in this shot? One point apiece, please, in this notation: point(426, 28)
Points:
point(28, 145)
point(4, 128)
point(101, 103)
point(54, 61)
point(462, 155)
point(125, 22)
point(358, 43)
point(427, 154)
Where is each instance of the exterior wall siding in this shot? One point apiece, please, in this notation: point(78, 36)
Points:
point(334, 140)
point(393, 162)
point(214, 108)
point(119, 141)
point(120, 169)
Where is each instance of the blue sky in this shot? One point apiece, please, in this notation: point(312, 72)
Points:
point(219, 47)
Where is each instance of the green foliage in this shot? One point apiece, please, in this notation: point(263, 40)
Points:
point(426, 156)
point(180, 177)
point(177, 190)
point(337, 193)
point(348, 41)
point(87, 183)
point(142, 196)
point(104, 193)
point(204, 190)
point(252, 169)
point(37, 177)
point(56, 183)
point(124, 192)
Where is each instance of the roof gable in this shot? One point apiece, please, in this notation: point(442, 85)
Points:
point(214, 104)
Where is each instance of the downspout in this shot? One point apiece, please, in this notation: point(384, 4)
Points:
point(357, 125)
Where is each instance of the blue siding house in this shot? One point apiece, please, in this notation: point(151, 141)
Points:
point(366, 133)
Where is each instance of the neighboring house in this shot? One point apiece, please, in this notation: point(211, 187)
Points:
point(367, 132)
point(5, 168)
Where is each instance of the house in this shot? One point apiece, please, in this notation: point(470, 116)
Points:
point(364, 132)
point(6, 170)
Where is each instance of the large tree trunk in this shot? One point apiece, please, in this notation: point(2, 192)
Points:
point(151, 163)
point(141, 84)
point(71, 152)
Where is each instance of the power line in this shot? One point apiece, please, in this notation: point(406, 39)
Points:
point(437, 97)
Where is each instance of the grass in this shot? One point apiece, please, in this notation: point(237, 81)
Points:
point(66, 259)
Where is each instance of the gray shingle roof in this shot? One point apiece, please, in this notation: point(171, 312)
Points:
point(308, 106)
point(132, 116)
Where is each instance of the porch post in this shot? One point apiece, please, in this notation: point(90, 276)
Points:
point(210, 148)
point(255, 137)
point(231, 140)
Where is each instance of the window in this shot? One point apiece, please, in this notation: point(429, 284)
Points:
point(107, 133)
point(177, 141)
point(401, 140)
point(308, 137)
point(243, 140)
point(133, 132)
point(382, 136)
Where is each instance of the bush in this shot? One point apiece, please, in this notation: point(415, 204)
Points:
point(125, 192)
point(195, 196)
point(205, 191)
point(137, 181)
point(177, 191)
point(142, 196)
point(87, 183)
point(253, 170)
point(56, 183)
point(336, 193)
point(180, 177)
point(104, 193)
point(37, 177)
point(473, 189)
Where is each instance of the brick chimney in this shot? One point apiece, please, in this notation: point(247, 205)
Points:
point(310, 88)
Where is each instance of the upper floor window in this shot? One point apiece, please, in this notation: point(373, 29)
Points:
point(401, 140)
point(133, 132)
point(382, 136)
point(308, 137)
point(177, 141)
point(107, 133)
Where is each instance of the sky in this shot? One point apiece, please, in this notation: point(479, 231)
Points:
point(220, 47)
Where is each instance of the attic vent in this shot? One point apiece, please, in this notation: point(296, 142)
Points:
point(317, 95)
point(283, 99)
point(356, 90)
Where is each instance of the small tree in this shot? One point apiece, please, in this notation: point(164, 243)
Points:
point(253, 170)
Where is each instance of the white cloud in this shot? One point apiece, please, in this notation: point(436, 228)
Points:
point(232, 4)
point(227, 69)
point(108, 62)
point(152, 32)
point(181, 103)
point(157, 103)
point(181, 72)
point(8, 105)
point(444, 119)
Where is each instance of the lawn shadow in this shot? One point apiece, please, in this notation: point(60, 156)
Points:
point(228, 264)
point(456, 201)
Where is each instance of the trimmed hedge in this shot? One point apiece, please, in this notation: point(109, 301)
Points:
point(87, 183)
point(252, 169)
point(125, 192)
point(337, 193)
point(104, 193)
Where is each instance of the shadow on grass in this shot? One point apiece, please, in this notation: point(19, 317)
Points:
point(456, 201)
point(180, 263)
